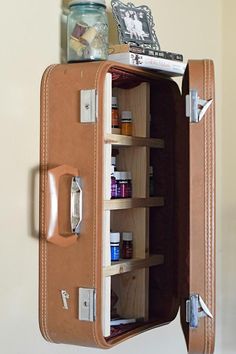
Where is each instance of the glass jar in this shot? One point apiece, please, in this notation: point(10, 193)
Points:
point(87, 31)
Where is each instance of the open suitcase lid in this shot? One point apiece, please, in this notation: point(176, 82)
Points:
point(196, 142)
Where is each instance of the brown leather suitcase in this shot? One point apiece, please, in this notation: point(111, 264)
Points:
point(83, 295)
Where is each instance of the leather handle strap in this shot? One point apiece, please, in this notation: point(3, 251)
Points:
point(52, 233)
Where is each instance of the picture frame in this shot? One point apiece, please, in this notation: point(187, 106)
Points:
point(135, 24)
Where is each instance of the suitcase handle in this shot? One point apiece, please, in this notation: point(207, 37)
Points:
point(52, 233)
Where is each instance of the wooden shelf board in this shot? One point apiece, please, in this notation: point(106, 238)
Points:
point(127, 203)
point(124, 140)
point(125, 265)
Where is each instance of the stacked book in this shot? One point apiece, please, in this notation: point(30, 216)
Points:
point(167, 63)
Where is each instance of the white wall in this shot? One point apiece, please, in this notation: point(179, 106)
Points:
point(30, 38)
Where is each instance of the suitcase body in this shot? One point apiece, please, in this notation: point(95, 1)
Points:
point(171, 216)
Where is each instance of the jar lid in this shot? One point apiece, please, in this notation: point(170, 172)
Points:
point(123, 175)
point(65, 3)
point(77, 2)
point(126, 114)
point(128, 175)
point(114, 101)
point(117, 175)
point(127, 236)
point(115, 237)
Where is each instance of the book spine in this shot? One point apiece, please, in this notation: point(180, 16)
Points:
point(129, 48)
point(156, 53)
point(157, 63)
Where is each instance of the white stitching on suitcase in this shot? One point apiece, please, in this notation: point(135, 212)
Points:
point(210, 161)
point(211, 196)
point(208, 206)
point(44, 243)
point(206, 209)
point(95, 203)
point(44, 181)
point(94, 236)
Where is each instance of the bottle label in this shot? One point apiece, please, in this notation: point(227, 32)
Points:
point(124, 189)
point(127, 250)
point(115, 253)
point(113, 188)
point(115, 118)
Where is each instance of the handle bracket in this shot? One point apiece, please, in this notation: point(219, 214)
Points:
point(76, 204)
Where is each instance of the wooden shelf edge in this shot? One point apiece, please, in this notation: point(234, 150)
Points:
point(123, 140)
point(125, 265)
point(128, 203)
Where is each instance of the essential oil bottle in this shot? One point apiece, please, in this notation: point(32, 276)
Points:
point(115, 246)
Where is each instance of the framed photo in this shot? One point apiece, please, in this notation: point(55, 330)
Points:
point(135, 24)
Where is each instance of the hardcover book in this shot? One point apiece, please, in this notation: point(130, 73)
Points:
point(165, 66)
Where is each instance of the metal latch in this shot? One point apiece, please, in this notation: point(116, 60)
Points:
point(88, 106)
point(195, 309)
point(87, 304)
point(65, 297)
point(196, 107)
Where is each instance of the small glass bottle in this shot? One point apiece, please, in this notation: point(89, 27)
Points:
point(127, 245)
point(113, 184)
point(113, 162)
point(115, 115)
point(126, 123)
point(115, 246)
point(151, 182)
point(129, 179)
point(123, 185)
point(118, 178)
point(87, 31)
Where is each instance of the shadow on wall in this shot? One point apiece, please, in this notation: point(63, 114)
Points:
point(113, 35)
point(33, 203)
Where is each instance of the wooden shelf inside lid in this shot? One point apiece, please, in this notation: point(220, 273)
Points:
point(127, 203)
point(125, 140)
point(124, 265)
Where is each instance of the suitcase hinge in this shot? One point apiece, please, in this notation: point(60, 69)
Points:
point(87, 304)
point(88, 106)
point(196, 107)
point(195, 309)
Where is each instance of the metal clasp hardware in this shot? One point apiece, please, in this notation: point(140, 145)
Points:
point(65, 296)
point(88, 106)
point(196, 107)
point(87, 304)
point(195, 309)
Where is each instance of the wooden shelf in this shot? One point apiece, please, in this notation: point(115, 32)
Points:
point(127, 203)
point(124, 140)
point(124, 266)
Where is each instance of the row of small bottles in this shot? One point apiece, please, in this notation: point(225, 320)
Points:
point(122, 125)
point(121, 245)
point(121, 184)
